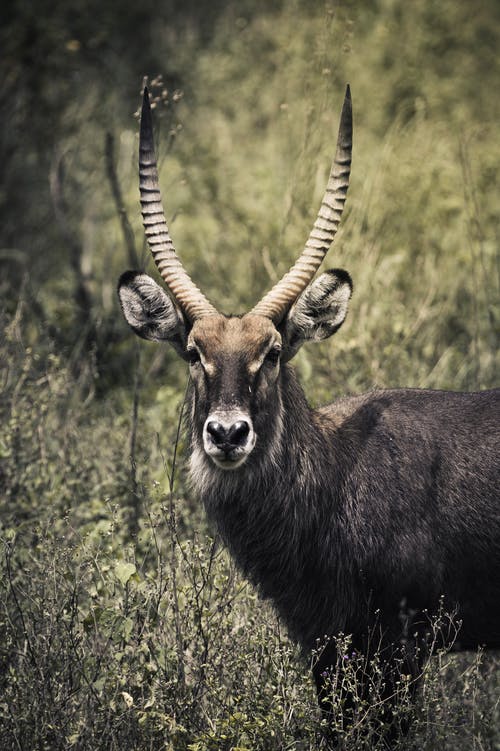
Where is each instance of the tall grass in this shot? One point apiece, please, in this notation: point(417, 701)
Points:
point(123, 624)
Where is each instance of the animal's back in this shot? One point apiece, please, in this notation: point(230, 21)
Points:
point(421, 488)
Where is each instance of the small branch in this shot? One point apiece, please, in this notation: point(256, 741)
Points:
point(174, 548)
point(134, 491)
point(128, 235)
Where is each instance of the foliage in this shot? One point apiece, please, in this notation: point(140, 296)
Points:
point(123, 624)
point(144, 648)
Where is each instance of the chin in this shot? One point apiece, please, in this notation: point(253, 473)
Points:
point(229, 464)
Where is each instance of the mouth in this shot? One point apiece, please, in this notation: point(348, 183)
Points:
point(230, 460)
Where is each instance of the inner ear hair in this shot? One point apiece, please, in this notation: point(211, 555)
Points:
point(326, 289)
point(319, 311)
point(150, 311)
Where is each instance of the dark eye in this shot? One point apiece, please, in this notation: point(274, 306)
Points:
point(273, 355)
point(193, 356)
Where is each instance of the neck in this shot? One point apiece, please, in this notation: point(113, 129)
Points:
point(270, 510)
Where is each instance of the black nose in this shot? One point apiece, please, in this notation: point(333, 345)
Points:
point(231, 437)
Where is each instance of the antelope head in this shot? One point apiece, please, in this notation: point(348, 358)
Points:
point(235, 361)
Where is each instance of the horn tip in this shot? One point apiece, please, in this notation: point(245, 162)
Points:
point(347, 92)
point(146, 127)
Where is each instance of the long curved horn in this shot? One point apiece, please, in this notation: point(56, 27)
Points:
point(192, 301)
point(275, 303)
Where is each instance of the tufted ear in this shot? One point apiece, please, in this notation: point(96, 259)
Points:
point(318, 312)
point(150, 312)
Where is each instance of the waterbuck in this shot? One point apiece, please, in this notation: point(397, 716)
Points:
point(359, 517)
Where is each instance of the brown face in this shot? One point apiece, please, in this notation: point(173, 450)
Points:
point(234, 363)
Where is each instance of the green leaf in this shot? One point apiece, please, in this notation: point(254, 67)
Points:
point(124, 571)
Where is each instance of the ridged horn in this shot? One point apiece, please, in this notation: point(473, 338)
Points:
point(192, 301)
point(278, 300)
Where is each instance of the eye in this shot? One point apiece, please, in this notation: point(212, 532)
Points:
point(193, 356)
point(273, 356)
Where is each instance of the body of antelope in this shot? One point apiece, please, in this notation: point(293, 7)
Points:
point(363, 517)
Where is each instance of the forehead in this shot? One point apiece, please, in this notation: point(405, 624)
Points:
point(246, 336)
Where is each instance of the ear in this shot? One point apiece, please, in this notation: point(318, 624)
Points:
point(318, 312)
point(150, 312)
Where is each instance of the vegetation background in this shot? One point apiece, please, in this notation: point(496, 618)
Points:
point(122, 624)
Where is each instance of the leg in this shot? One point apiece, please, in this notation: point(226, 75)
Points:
point(365, 698)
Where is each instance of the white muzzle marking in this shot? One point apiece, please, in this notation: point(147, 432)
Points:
point(228, 438)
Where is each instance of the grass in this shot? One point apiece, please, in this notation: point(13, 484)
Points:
point(123, 624)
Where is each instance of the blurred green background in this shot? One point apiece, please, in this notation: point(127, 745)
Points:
point(248, 96)
point(246, 130)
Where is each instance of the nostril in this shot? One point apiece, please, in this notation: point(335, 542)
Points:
point(238, 433)
point(217, 431)
point(228, 438)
